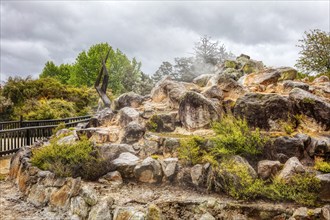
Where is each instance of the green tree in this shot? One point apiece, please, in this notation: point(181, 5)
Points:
point(210, 52)
point(61, 73)
point(315, 52)
point(166, 69)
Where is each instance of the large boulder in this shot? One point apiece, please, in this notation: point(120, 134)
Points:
point(133, 132)
point(164, 122)
point(288, 85)
point(112, 151)
point(286, 147)
point(148, 171)
point(129, 99)
point(196, 111)
point(268, 168)
point(260, 109)
point(169, 90)
point(313, 106)
point(269, 76)
point(127, 115)
point(291, 168)
point(202, 79)
point(102, 117)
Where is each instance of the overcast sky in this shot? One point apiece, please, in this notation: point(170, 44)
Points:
point(33, 32)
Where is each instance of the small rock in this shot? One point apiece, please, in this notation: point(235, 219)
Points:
point(268, 168)
point(101, 211)
point(148, 171)
point(89, 195)
point(291, 167)
point(325, 187)
point(321, 79)
point(79, 207)
point(169, 166)
point(202, 79)
point(301, 214)
point(197, 174)
point(325, 212)
point(207, 216)
point(213, 92)
point(114, 176)
point(125, 164)
point(125, 213)
point(133, 132)
point(170, 145)
point(289, 85)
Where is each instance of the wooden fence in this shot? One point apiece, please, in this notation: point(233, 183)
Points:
point(11, 140)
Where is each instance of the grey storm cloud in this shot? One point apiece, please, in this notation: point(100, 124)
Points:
point(33, 32)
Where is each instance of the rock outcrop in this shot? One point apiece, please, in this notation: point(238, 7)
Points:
point(260, 109)
point(196, 111)
point(129, 99)
point(313, 106)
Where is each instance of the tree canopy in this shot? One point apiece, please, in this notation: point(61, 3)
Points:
point(315, 52)
point(207, 56)
point(125, 74)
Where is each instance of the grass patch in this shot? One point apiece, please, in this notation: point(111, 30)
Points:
point(234, 137)
point(3, 177)
point(78, 159)
point(321, 165)
point(301, 188)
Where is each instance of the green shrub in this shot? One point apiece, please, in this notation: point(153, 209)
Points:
point(237, 181)
point(60, 126)
point(321, 165)
point(233, 136)
point(301, 188)
point(78, 159)
point(191, 150)
point(46, 109)
point(27, 94)
point(153, 122)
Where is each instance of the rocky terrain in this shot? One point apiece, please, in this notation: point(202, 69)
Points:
point(140, 138)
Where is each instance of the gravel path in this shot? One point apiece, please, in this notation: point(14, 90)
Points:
point(13, 207)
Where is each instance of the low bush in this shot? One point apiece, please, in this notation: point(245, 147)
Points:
point(302, 188)
point(78, 159)
point(236, 181)
point(321, 165)
point(46, 109)
point(234, 137)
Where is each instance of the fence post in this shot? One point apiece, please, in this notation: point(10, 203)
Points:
point(21, 121)
point(28, 141)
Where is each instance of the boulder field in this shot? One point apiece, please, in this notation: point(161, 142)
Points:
point(140, 138)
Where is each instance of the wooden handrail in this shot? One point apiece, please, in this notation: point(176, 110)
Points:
point(11, 140)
